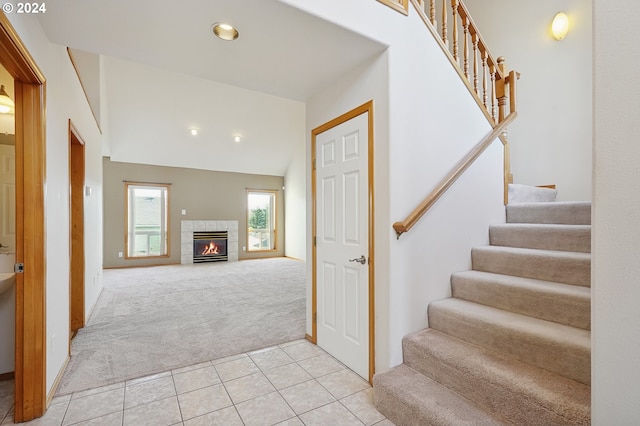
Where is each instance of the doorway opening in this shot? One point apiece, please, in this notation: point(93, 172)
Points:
point(76, 230)
point(343, 239)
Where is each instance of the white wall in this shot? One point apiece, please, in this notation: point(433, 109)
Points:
point(615, 254)
point(65, 100)
point(431, 122)
point(104, 110)
point(551, 139)
point(434, 123)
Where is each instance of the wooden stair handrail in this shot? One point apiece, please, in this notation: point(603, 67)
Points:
point(457, 171)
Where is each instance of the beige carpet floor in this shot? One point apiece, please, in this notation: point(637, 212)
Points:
point(154, 319)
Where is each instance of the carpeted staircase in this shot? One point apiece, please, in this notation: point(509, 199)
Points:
point(512, 344)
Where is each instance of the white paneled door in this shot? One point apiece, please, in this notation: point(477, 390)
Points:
point(8, 197)
point(342, 242)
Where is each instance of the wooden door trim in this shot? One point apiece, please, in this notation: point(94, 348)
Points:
point(76, 231)
point(364, 108)
point(30, 361)
point(16, 58)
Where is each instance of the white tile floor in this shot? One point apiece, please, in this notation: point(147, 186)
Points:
point(296, 383)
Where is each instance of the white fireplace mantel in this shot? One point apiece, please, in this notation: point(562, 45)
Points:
point(187, 227)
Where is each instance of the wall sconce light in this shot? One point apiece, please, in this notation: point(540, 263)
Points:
point(560, 26)
point(6, 104)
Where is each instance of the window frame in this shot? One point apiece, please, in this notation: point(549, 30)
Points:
point(274, 220)
point(167, 221)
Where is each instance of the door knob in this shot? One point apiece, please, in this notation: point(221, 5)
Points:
point(360, 259)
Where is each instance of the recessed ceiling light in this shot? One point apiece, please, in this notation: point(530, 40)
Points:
point(225, 31)
point(194, 132)
point(236, 138)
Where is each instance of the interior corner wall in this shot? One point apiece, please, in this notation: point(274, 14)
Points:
point(295, 204)
point(64, 100)
point(551, 139)
point(615, 267)
point(204, 194)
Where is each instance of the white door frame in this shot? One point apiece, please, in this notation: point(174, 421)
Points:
point(362, 109)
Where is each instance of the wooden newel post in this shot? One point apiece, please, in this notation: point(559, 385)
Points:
point(513, 78)
point(501, 89)
point(501, 95)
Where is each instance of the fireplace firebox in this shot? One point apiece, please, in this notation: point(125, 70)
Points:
point(209, 246)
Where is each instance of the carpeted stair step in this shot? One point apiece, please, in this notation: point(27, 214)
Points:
point(555, 347)
point(547, 265)
point(561, 303)
point(513, 390)
point(542, 236)
point(407, 397)
point(568, 213)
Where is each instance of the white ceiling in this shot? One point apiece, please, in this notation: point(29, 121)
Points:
point(282, 51)
point(151, 111)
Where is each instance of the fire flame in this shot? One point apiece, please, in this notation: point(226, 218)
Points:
point(211, 248)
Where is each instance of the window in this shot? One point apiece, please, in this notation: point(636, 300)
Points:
point(261, 220)
point(147, 218)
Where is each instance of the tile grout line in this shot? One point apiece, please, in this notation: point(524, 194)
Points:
point(175, 388)
point(352, 413)
point(87, 396)
point(66, 410)
point(233, 404)
point(124, 400)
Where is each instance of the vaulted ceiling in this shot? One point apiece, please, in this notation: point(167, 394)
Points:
point(282, 52)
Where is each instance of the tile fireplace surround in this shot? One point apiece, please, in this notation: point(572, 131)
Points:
point(188, 226)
